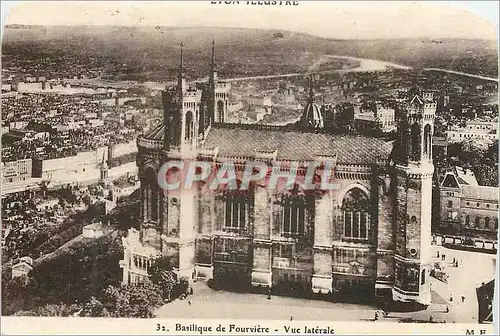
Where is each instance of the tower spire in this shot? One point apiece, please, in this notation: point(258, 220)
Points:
point(311, 88)
point(103, 162)
point(103, 168)
point(213, 54)
point(212, 87)
point(182, 57)
point(213, 69)
point(181, 82)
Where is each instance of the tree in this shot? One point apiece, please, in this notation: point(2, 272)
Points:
point(133, 300)
point(80, 273)
point(126, 214)
point(486, 175)
point(482, 162)
point(44, 187)
point(55, 310)
point(19, 294)
point(161, 275)
point(94, 308)
point(492, 153)
point(86, 200)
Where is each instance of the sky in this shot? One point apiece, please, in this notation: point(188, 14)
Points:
point(332, 19)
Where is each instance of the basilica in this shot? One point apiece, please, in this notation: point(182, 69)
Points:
point(371, 235)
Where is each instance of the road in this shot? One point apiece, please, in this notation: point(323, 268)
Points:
point(10, 188)
point(207, 303)
point(491, 79)
point(474, 269)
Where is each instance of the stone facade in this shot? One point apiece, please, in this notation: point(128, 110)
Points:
point(369, 236)
point(466, 208)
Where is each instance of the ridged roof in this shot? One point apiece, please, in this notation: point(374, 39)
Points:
point(295, 145)
point(244, 140)
point(156, 133)
point(312, 116)
point(417, 100)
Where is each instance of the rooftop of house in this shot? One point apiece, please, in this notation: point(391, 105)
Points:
point(465, 180)
point(94, 226)
point(466, 176)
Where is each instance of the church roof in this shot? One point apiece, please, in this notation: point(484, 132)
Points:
point(237, 141)
point(156, 133)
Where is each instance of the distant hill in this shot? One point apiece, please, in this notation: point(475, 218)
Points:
point(157, 47)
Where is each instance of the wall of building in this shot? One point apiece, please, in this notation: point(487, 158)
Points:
point(322, 254)
point(81, 168)
point(84, 164)
point(455, 208)
point(463, 135)
point(124, 148)
point(486, 209)
point(450, 207)
point(16, 171)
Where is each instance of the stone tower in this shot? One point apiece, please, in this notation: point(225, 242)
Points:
point(178, 207)
point(414, 171)
point(218, 94)
point(167, 217)
point(103, 170)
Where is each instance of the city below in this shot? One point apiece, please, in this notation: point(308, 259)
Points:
point(86, 229)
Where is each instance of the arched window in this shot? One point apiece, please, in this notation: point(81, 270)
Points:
point(427, 140)
point(202, 124)
point(467, 220)
point(415, 142)
point(220, 111)
point(478, 220)
point(151, 195)
point(356, 210)
point(188, 136)
point(237, 210)
point(404, 143)
point(487, 223)
point(292, 216)
point(496, 223)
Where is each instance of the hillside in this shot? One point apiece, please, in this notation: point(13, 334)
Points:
point(239, 51)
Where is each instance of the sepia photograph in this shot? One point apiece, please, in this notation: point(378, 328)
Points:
point(249, 167)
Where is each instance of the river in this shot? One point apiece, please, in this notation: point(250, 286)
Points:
point(366, 65)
